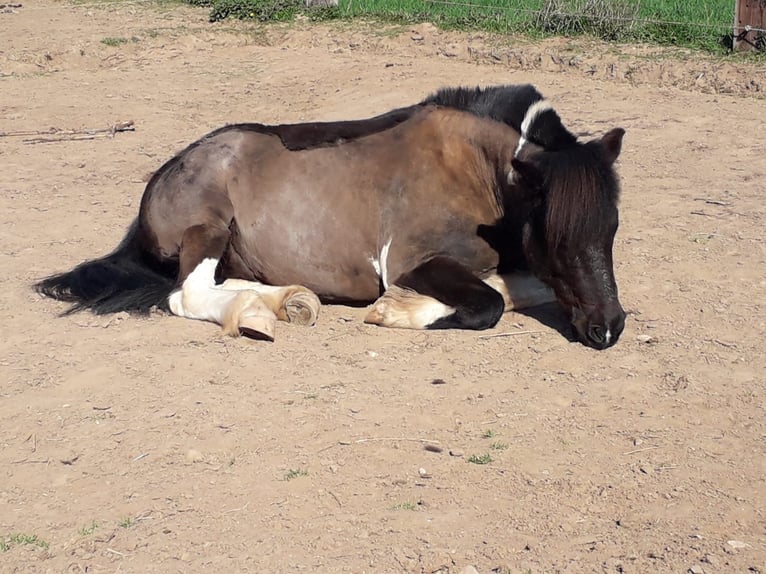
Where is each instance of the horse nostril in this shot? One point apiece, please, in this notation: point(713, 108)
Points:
point(596, 334)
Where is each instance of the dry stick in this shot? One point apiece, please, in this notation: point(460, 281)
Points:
point(397, 438)
point(510, 334)
point(118, 127)
point(640, 450)
point(79, 135)
point(712, 201)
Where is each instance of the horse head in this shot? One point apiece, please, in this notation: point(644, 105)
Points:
point(568, 237)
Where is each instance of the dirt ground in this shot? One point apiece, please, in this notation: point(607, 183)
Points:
point(158, 445)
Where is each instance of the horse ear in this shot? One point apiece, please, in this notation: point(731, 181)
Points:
point(612, 144)
point(527, 172)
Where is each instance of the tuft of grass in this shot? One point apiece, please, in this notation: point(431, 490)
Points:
point(21, 539)
point(88, 530)
point(480, 459)
point(126, 522)
point(489, 433)
point(295, 473)
point(405, 506)
point(114, 42)
point(499, 445)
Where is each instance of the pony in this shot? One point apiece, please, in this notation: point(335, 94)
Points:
point(443, 214)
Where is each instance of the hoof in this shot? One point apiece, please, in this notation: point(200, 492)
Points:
point(302, 308)
point(258, 328)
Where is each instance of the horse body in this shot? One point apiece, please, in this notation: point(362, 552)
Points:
point(337, 250)
point(426, 210)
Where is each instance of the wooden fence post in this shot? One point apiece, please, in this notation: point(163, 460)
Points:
point(750, 13)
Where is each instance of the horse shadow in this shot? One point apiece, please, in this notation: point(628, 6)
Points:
point(552, 316)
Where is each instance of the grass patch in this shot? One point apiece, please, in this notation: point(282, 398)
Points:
point(88, 530)
point(704, 24)
point(295, 473)
point(21, 539)
point(499, 445)
point(114, 42)
point(489, 433)
point(405, 506)
point(480, 459)
point(126, 522)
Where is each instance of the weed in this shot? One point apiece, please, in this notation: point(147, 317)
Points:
point(126, 522)
point(295, 473)
point(21, 539)
point(405, 506)
point(114, 42)
point(479, 459)
point(88, 530)
point(499, 445)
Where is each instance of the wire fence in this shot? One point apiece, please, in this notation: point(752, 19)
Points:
point(705, 24)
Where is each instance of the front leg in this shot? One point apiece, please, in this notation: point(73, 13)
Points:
point(438, 294)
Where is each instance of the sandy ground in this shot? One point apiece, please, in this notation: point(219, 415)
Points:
point(157, 445)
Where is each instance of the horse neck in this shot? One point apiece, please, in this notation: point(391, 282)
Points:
point(492, 143)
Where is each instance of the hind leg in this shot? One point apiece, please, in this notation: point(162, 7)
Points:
point(198, 297)
point(439, 294)
point(293, 303)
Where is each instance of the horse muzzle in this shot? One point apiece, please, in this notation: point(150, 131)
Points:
point(599, 329)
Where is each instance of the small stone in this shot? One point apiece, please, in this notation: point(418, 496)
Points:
point(646, 339)
point(423, 473)
point(372, 354)
point(469, 570)
point(709, 559)
point(456, 453)
point(737, 544)
point(696, 569)
point(193, 455)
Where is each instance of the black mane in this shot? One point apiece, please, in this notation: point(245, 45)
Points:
point(506, 104)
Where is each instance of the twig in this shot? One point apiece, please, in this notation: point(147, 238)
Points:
point(705, 214)
point(116, 552)
point(425, 440)
point(140, 456)
point(236, 509)
point(335, 497)
point(640, 450)
point(712, 201)
point(58, 135)
point(509, 334)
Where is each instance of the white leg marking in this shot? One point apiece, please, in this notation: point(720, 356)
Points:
point(375, 265)
point(199, 298)
point(384, 262)
point(521, 290)
point(380, 264)
point(406, 309)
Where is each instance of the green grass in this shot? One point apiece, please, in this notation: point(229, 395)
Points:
point(126, 522)
point(405, 506)
point(480, 459)
point(499, 445)
point(295, 473)
point(688, 23)
point(114, 42)
point(21, 539)
point(489, 433)
point(88, 530)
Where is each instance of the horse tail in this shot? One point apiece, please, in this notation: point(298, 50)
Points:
point(125, 280)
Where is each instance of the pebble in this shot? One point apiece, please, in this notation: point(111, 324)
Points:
point(737, 544)
point(456, 453)
point(696, 569)
point(646, 339)
point(193, 455)
point(469, 570)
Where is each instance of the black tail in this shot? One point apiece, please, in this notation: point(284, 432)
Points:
point(124, 280)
